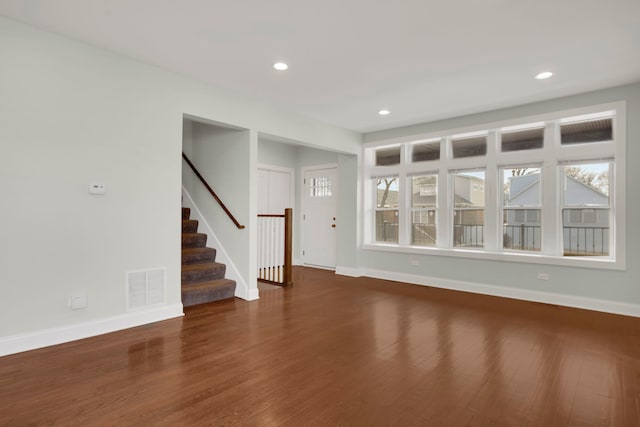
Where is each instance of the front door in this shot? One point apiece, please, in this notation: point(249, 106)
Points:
point(319, 224)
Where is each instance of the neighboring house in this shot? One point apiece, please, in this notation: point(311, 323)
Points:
point(585, 219)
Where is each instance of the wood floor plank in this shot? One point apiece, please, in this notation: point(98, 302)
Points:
point(335, 350)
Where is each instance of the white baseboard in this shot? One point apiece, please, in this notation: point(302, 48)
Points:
point(243, 290)
point(594, 304)
point(47, 337)
point(348, 271)
point(252, 295)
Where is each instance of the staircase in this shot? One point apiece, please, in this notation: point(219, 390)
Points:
point(202, 278)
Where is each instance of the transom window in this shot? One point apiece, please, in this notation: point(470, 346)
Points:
point(540, 189)
point(320, 187)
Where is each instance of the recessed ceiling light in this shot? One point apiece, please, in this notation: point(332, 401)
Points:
point(544, 75)
point(280, 66)
point(384, 112)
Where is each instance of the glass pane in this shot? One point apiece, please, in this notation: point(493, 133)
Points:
point(591, 131)
point(423, 227)
point(424, 152)
point(424, 191)
point(469, 147)
point(424, 200)
point(521, 186)
point(469, 189)
point(523, 140)
point(586, 184)
point(522, 229)
point(320, 187)
point(387, 226)
point(387, 192)
point(388, 156)
point(585, 232)
point(468, 215)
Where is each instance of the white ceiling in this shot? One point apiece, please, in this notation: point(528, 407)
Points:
point(422, 59)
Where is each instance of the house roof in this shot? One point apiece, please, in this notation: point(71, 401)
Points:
point(423, 61)
point(527, 191)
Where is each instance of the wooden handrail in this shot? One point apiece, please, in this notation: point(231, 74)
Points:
point(213, 193)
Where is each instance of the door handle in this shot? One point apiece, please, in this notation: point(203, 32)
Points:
point(333, 226)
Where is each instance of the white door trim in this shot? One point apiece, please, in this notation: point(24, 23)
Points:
point(303, 172)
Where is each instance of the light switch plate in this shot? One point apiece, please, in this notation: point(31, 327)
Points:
point(97, 189)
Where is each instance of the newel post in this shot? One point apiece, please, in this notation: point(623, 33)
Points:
point(288, 246)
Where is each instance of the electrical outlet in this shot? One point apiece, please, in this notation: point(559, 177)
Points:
point(78, 300)
point(543, 276)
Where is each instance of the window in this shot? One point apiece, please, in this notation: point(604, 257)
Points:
point(521, 208)
point(425, 151)
point(519, 140)
point(388, 156)
point(387, 209)
point(468, 214)
point(424, 202)
point(587, 131)
point(469, 192)
point(469, 146)
point(586, 206)
point(320, 187)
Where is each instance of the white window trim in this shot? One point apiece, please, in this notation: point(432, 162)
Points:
point(502, 207)
point(550, 156)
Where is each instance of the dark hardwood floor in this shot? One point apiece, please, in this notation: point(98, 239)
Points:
point(334, 350)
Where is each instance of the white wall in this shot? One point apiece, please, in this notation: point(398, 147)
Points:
point(71, 114)
point(598, 288)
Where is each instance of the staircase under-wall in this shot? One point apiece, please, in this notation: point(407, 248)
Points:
point(203, 278)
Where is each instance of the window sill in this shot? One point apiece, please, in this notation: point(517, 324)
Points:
point(603, 263)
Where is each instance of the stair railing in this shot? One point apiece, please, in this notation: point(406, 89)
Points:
point(213, 193)
point(275, 248)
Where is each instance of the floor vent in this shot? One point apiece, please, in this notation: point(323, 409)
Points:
point(145, 288)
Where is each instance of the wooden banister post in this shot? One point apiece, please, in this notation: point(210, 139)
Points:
point(288, 246)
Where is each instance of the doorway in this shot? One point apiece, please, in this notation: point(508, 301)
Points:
point(319, 210)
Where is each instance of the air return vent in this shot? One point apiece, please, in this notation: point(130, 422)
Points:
point(145, 288)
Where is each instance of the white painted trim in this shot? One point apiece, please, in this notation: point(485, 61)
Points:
point(349, 271)
point(585, 303)
point(320, 267)
point(23, 342)
point(252, 295)
point(242, 288)
point(602, 263)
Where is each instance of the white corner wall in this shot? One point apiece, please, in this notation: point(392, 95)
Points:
point(73, 114)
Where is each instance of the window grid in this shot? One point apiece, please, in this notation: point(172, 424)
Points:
point(548, 219)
